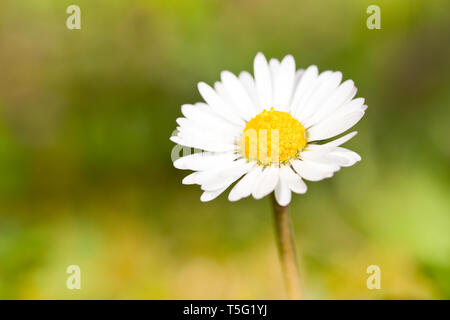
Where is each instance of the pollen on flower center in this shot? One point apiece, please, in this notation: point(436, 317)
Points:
point(272, 137)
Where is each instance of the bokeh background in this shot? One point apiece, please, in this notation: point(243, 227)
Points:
point(86, 176)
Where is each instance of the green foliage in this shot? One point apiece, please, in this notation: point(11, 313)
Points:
point(86, 176)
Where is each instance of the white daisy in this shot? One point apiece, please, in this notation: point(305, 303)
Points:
point(290, 110)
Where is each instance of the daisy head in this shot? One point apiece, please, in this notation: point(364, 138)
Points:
point(263, 132)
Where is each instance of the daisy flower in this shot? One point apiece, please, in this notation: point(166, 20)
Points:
point(264, 132)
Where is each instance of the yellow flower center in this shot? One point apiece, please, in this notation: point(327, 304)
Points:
point(272, 137)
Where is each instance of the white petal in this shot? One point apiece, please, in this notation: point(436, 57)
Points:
point(211, 195)
point(190, 179)
point(263, 81)
point(345, 109)
point(199, 177)
point(328, 82)
point(314, 151)
point(283, 84)
point(204, 160)
point(205, 140)
point(344, 157)
point(238, 94)
point(249, 84)
point(217, 104)
point(298, 75)
point(313, 171)
point(217, 173)
point(274, 66)
point(292, 179)
point(207, 146)
point(190, 129)
point(350, 106)
point(225, 177)
point(336, 157)
point(201, 113)
point(282, 193)
point(245, 186)
point(343, 94)
point(305, 87)
point(266, 183)
point(334, 125)
point(225, 96)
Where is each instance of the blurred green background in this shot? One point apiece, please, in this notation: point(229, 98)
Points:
point(86, 176)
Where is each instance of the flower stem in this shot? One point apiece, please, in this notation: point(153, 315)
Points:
point(286, 249)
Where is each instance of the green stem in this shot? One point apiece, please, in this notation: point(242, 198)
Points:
point(286, 250)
